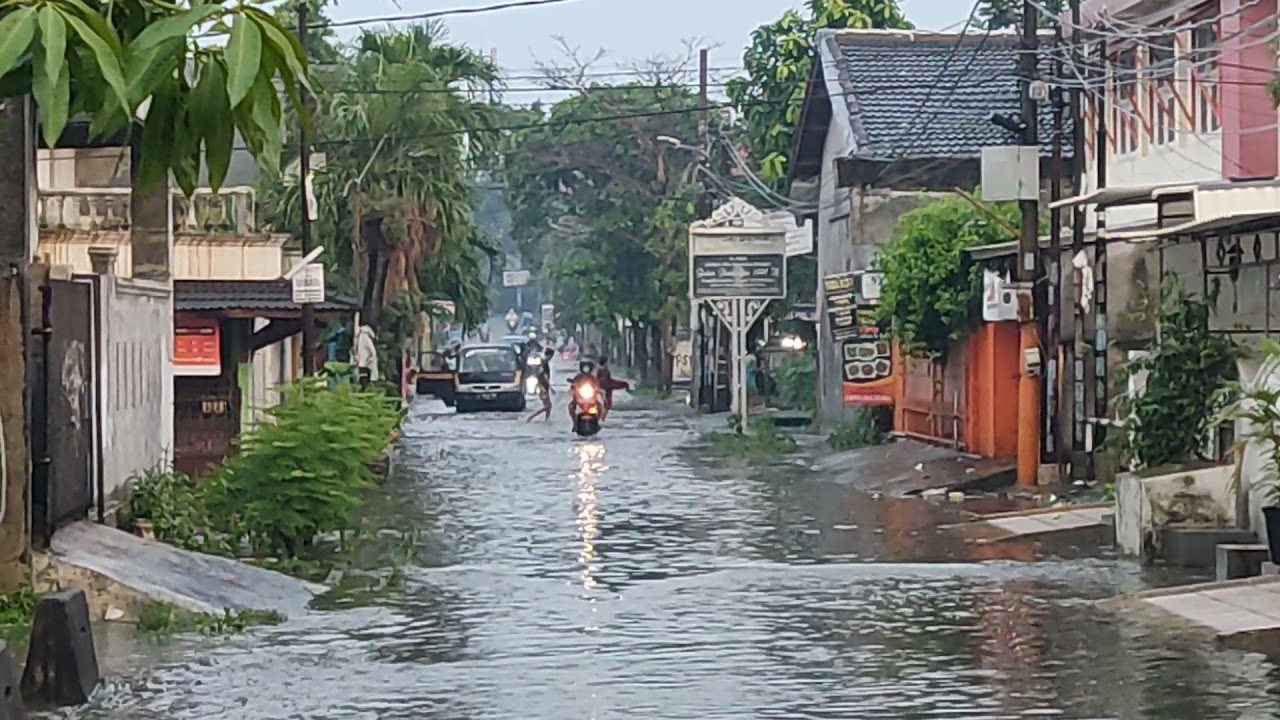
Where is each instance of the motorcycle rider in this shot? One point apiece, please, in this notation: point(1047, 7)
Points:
point(586, 374)
point(607, 384)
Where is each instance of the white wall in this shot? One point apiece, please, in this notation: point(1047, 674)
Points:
point(135, 378)
point(836, 254)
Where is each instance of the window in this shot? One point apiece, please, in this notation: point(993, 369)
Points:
point(1204, 77)
point(1125, 74)
point(488, 360)
point(1161, 78)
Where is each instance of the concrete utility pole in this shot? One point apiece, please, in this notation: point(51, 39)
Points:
point(17, 187)
point(1028, 260)
point(1051, 324)
point(1078, 412)
point(304, 184)
point(698, 320)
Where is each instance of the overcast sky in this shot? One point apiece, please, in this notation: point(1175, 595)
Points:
point(627, 30)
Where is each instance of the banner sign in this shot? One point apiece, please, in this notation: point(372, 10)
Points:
point(867, 368)
point(739, 276)
point(197, 348)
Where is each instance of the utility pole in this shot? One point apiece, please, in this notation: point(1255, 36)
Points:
point(304, 183)
point(1078, 413)
point(698, 318)
point(1053, 305)
point(1029, 260)
point(1098, 427)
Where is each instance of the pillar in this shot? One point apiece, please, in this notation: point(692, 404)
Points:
point(1246, 66)
point(17, 242)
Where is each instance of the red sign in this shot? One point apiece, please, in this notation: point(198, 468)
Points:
point(867, 369)
point(197, 348)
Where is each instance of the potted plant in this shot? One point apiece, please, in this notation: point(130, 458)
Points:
point(1256, 405)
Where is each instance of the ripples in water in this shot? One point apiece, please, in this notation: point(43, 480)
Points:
point(559, 578)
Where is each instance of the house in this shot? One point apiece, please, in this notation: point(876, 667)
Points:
point(891, 119)
point(226, 317)
point(1179, 178)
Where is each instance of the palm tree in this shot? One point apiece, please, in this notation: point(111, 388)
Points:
point(403, 133)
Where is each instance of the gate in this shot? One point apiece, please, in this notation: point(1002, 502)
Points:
point(62, 486)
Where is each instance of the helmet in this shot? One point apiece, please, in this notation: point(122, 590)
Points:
point(586, 366)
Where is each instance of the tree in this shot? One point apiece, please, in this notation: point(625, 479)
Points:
point(932, 288)
point(402, 141)
point(105, 59)
point(604, 206)
point(778, 62)
point(1001, 14)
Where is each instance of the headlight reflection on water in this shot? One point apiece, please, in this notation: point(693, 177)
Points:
point(590, 467)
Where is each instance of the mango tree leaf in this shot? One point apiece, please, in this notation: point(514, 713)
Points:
point(17, 29)
point(266, 115)
point(284, 45)
point(108, 58)
point(53, 36)
point(53, 96)
point(209, 111)
point(150, 67)
point(156, 153)
point(171, 28)
point(244, 55)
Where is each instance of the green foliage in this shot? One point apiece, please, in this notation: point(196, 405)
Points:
point(177, 510)
point(797, 379)
point(19, 607)
point(603, 208)
point(418, 141)
point(1171, 420)
point(160, 619)
point(298, 475)
point(104, 59)
point(778, 62)
point(867, 427)
point(762, 442)
point(1257, 404)
point(932, 290)
point(1002, 14)
point(304, 472)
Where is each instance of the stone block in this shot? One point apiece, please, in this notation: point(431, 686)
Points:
point(1196, 547)
point(1107, 531)
point(1269, 568)
point(1235, 560)
point(11, 706)
point(62, 666)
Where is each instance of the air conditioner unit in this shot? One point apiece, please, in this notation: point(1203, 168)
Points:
point(999, 298)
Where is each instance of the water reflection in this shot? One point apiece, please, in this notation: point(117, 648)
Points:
point(590, 467)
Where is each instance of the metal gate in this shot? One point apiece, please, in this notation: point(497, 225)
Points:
point(62, 487)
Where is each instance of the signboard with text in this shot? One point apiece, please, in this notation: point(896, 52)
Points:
point(308, 285)
point(515, 278)
point(197, 348)
point(867, 369)
point(739, 276)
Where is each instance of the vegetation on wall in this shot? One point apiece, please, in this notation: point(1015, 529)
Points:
point(1170, 421)
point(932, 288)
point(1256, 404)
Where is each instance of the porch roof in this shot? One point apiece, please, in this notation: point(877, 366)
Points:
point(1232, 223)
point(263, 298)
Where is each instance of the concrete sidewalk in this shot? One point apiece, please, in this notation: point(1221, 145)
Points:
point(1242, 614)
point(1033, 524)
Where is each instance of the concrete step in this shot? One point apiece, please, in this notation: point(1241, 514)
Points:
point(1196, 547)
point(1241, 560)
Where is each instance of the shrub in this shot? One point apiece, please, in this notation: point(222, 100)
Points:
point(797, 378)
point(868, 426)
point(763, 442)
point(303, 471)
point(176, 509)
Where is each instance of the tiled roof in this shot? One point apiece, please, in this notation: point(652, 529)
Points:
point(927, 95)
point(260, 295)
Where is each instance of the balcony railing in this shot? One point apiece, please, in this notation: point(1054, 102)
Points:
point(230, 210)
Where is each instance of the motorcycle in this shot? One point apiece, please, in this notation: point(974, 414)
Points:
point(587, 400)
point(531, 374)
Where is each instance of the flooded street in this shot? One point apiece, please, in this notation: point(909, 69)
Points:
point(622, 577)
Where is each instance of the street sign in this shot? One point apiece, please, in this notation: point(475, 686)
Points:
point(548, 317)
point(308, 284)
point(799, 237)
point(745, 276)
point(515, 278)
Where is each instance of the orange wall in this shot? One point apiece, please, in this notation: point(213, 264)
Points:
point(990, 361)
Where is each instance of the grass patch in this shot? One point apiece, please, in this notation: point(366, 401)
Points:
point(160, 619)
point(762, 441)
point(19, 607)
point(867, 427)
point(653, 392)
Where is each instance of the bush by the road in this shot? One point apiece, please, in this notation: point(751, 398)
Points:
point(300, 472)
point(867, 426)
point(763, 441)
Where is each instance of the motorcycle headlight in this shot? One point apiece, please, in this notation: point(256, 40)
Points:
point(586, 392)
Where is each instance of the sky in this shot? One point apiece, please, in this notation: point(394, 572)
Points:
point(628, 31)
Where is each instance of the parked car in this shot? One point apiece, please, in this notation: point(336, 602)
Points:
point(490, 377)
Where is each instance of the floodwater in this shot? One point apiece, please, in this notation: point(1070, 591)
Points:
point(626, 577)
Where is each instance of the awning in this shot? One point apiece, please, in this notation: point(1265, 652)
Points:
point(1194, 227)
point(262, 298)
point(1120, 196)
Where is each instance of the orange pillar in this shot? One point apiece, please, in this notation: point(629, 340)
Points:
point(1028, 409)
